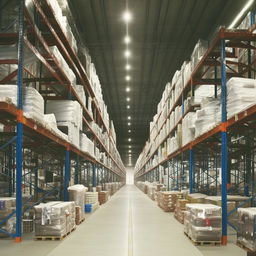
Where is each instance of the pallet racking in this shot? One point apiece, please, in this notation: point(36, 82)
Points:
point(30, 147)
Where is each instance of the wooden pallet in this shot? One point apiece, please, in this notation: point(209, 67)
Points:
point(79, 222)
point(179, 220)
point(249, 252)
point(199, 243)
point(53, 238)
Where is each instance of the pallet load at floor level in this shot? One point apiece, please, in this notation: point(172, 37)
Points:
point(203, 222)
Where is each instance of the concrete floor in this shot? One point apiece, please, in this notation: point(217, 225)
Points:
point(130, 224)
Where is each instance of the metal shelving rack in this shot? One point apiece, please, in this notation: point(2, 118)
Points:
point(222, 147)
point(31, 147)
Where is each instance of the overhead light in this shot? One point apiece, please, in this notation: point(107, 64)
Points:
point(127, 89)
point(130, 151)
point(129, 118)
point(130, 155)
point(127, 16)
point(129, 131)
point(129, 139)
point(130, 146)
point(128, 106)
point(127, 39)
point(241, 13)
point(127, 67)
point(127, 53)
point(128, 99)
point(127, 78)
point(129, 124)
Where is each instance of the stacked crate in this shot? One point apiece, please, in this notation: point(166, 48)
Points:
point(180, 210)
point(167, 200)
point(103, 197)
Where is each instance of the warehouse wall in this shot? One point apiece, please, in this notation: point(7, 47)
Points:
point(129, 176)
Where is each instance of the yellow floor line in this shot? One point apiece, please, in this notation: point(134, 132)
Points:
point(130, 231)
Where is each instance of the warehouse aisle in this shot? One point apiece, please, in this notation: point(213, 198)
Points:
point(130, 224)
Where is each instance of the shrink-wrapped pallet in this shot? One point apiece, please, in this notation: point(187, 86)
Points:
point(180, 209)
point(91, 197)
point(167, 200)
point(33, 104)
point(203, 222)
point(198, 52)
point(103, 197)
point(54, 218)
point(241, 93)
point(77, 194)
point(246, 233)
point(8, 93)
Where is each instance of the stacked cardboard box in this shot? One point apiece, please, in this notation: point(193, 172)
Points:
point(180, 209)
point(167, 200)
point(196, 198)
point(98, 188)
point(203, 222)
point(77, 194)
point(54, 218)
point(7, 206)
point(246, 234)
point(103, 197)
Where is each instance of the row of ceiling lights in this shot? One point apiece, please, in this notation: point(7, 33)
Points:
point(127, 17)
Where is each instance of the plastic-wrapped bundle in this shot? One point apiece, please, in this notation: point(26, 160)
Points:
point(56, 9)
point(241, 93)
point(80, 91)
point(246, 234)
point(204, 222)
point(201, 92)
point(167, 200)
point(72, 131)
point(69, 73)
point(86, 145)
point(186, 72)
point(8, 93)
point(196, 197)
point(198, 52)
point(91, 197)
point(208, 117)
point(54, 218)
point(77, 194)
point(6, 69)
point(66, 111)
point(33, 104)
point(188, 128)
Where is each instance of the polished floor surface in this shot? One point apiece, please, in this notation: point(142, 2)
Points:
point(130, 224)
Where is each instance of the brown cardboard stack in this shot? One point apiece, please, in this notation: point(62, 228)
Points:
point(196, 198)
point(167, 200)
point(103, 197)
point(203, 222)
point(180, 209)
point(246, 233)
point(98, 188)
point(7, 206)
point(77, 194)
point(158, 187)
point(54, 218)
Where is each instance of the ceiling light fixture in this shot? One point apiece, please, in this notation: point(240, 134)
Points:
point(127, 78)
point(129, 124)
point(129, 118)
point(128, 106)
point(127, 89)
point(128, 99)
point(129, 131)
point(130, 151)
point(127, 67)
point(129, 139)
point(127, 16)
point(130, 146)
point(127, 53)
point(127, 39)
point(241, 13)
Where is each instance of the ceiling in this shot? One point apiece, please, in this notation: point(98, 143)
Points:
point(163, 34)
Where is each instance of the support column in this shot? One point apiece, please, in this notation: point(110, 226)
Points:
point(94, 182)
point(19, 140)
point(224, 151)
point(66, 174)
point(77, 170)
point(191, 170)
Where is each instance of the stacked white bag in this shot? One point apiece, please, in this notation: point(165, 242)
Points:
point(8, 93)
point(241, 94)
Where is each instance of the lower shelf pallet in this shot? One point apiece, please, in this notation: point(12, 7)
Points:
point(249, 252)
point(199, 243)
point(53, 238)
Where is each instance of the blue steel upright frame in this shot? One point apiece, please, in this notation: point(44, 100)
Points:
point(224, 150)
point(19, 140)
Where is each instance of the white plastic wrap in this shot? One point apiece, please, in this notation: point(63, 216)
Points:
point(241, 94)
point(188, 128)
point(208, 117)
point(8, 93)
point(80, 91)
point(66, 111)
point(86, 145)
point(33, 104)
point(198, 52)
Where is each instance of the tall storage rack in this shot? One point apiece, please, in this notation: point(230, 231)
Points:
point(31, 146)
point(229, 147)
